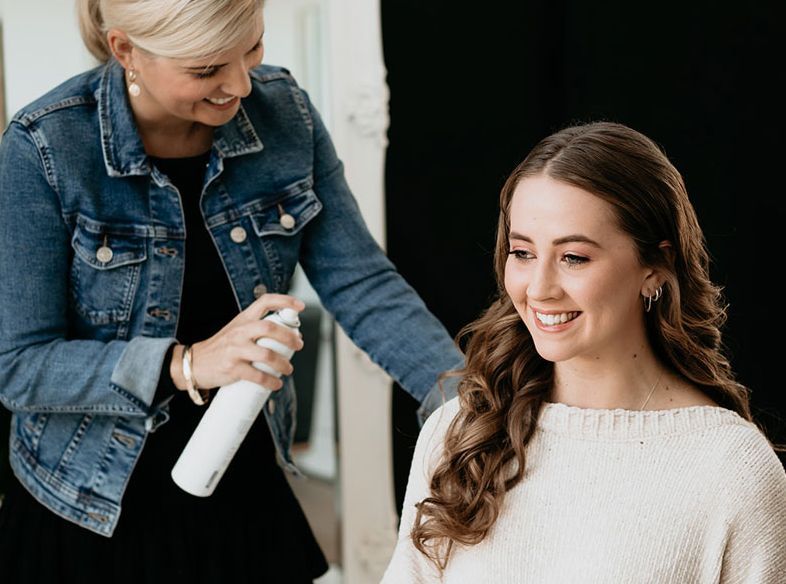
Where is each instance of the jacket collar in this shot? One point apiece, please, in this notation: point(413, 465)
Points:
point(124, 152)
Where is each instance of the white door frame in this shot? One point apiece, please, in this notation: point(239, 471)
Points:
point(359, 95)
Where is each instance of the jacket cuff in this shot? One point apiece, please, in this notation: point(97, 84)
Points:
point(138, 371)
point(441, 392)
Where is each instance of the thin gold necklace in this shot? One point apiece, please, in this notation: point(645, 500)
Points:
point(654, 386)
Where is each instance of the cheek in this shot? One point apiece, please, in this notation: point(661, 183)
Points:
point(509, 280)
point(195, 95)
point(176, 98)
point(515, 282)
point(189, 92)
point(610, 298)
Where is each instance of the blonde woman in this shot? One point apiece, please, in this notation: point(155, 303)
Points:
point(599, 435)
point(151, 211)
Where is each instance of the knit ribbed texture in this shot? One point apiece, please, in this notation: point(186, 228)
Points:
point(687, 496)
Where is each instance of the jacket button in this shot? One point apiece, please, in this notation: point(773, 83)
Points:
point(259, 290)
point(287, 221)
point(238, 234)
point(104, 254)
point(271, 406)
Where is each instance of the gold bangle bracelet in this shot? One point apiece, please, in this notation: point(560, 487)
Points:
point(197, 396)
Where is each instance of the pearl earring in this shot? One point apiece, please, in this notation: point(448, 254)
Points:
point(133, 87)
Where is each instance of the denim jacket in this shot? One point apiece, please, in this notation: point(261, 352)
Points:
point(91, 257)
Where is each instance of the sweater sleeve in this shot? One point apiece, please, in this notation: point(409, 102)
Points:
point(408, 565)
point(755, 550)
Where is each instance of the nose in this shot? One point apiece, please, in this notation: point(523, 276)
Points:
point(238, 81)
point(544, 283)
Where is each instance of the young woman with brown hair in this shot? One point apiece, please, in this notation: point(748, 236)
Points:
point(599, 434)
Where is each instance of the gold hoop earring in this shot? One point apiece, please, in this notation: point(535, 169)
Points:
point(133, 86)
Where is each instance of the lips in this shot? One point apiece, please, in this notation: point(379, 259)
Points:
point(555, 318)
point(220, 100)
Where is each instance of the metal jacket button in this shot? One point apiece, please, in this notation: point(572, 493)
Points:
point(287, 221)
point(238, 234)
point(104, 254)
point(271, 407)
point(259, 290)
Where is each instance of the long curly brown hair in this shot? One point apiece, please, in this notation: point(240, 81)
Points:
point(505, 382)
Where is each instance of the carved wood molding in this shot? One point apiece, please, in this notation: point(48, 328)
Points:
point(367, 111)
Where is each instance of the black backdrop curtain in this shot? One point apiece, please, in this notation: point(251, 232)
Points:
point(474, 85)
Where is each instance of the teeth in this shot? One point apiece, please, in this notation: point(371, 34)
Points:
point(220, 100)
point(552, 319)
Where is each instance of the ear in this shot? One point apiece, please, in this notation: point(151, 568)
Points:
point(655, 278)
point(667, 250)
point(122, 48)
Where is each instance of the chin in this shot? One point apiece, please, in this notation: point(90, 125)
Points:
point(215, 118)
point(213, 123)
point(552, 353)
point(216, 121)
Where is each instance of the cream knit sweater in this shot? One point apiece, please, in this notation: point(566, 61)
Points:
point(684, 496)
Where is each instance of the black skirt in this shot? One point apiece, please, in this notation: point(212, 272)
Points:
point(251, 529)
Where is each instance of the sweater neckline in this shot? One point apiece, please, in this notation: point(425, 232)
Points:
point(620, 424)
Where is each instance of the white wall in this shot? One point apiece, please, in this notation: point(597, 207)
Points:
point(42, 47)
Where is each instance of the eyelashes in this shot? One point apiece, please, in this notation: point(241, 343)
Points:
point(209, 71)
point(572, 260)
point(521, 254)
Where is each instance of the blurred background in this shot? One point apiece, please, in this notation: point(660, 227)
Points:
point(431, 105)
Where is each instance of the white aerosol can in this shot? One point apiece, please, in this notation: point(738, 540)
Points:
point(227, 421)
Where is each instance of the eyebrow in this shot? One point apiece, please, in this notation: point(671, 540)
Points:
point(219, 65)
point(573, 238)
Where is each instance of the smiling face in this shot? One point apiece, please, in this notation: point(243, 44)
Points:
point(573, 275)
point(204, 91)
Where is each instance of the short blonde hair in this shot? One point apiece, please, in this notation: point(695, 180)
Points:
point(176, 29)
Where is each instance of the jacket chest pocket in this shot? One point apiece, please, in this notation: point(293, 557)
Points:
point(287, 216)
point(105, 271)
point(279, 228)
